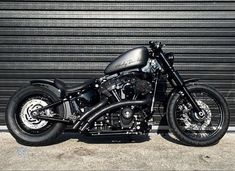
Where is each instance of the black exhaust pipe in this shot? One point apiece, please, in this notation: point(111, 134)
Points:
point(88, 113)
point(111, 107)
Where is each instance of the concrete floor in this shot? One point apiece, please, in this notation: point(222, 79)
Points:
point(156, 152)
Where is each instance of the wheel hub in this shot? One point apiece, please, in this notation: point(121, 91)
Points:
point(199, 116)
point(204, 117)
point(26, 114)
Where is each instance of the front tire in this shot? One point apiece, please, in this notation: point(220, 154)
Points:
point(191, 129)
point(26, 129)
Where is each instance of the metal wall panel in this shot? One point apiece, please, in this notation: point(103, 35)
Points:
point(75, 40)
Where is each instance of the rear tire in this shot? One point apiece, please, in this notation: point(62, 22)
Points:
point(34, 134)
point(175, 125)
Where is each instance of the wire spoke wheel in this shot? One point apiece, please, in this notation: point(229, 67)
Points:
point(195, 126)
point(199, 129)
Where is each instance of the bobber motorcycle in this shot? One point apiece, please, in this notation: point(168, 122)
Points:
point(120, 102)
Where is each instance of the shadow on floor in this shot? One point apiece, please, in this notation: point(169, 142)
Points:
point(105, 139)
point(169, 137)
point(102, 139)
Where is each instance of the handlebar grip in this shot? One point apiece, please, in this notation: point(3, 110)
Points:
point(151, 44)
point(156, 45)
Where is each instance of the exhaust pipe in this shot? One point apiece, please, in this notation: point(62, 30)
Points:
point(111, 107)
point(88, 113)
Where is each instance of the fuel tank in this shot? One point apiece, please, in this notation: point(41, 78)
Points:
point(133, 58)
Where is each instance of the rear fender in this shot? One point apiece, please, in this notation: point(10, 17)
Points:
point(49, 84)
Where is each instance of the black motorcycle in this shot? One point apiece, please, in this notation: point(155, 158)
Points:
point(121, 102)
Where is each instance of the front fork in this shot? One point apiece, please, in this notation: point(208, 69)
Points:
point(176, 80)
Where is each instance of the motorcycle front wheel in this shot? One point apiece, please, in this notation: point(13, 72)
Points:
point(25, 128)
point(203, 129)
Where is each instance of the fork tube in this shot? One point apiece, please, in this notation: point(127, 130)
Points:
point(154, 95)
point(174, 75)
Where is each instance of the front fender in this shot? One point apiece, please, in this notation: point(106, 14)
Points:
point(192, 80)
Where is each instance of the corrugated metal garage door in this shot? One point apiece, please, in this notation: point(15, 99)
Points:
point(75, 40)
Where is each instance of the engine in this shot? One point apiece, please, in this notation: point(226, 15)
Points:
point(131, 118)
point(129, 87)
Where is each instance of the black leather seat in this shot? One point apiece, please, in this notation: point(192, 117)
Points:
point(71, 90)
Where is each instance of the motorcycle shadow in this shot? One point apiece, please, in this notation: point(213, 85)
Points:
point(102, 139)
point(169, 137)
point(112, 139)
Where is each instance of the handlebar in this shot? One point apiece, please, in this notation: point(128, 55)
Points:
point(155, 45)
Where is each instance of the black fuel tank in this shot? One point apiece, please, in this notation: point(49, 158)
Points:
point(134, 58)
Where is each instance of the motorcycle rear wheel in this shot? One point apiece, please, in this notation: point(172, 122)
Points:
point(195, 130)
point(26, 129)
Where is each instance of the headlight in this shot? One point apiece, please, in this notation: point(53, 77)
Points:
point(170, 58)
